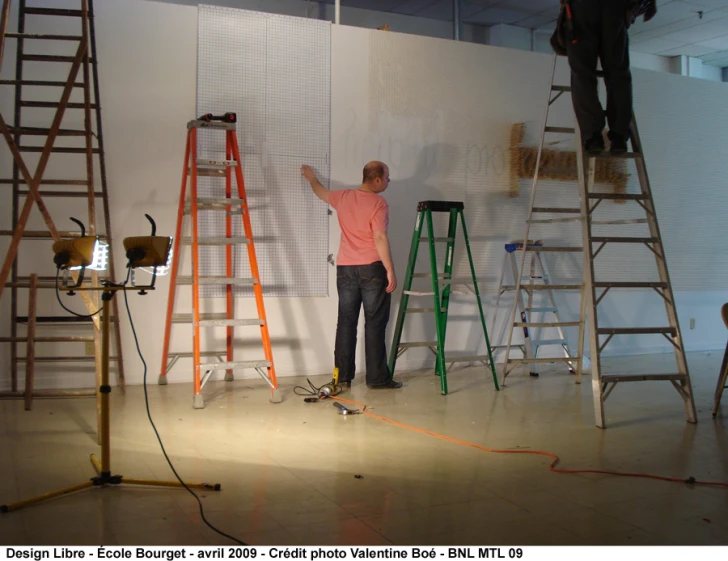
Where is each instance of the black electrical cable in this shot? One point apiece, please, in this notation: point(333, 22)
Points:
point(58, 297)
point(315, 391)
point(161, 445)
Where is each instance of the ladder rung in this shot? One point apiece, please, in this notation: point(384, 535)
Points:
point(45, 132)
point(415, 293)
point(189, 318)
point(547, 324)
point(562, 130)
point(197, 124)
point(209, 172)
point(230, 322)
point(418, 344)
point(43, 36)
point(625, 221)
point(57, 150)
point(86, 358)
point(221, 241)
point(188, 354)
point(218, 163)
point(48, 182)
point(50, 58)
point(56, 12)
point(62, 194)
point(423, 310)
point(217, 201)
point(446, 239)
point(545, 342)
point(42, 234)
point(554, 220)
point(53, 83)
point(545, 360)
point(474, 358)
point(545, 287)
point(557, 88)
point(540, 310)
point(556, 209)
point(606, 378)
point(78, 339)
point(55, 104)
point(619, 196)
point(630, 285)
point(56, 319)
point(234, 365)
point(637, 331)
point(553, 248)
point(623, 239)
point(217, 280)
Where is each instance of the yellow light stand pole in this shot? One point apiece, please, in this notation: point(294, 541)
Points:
point(103, 469)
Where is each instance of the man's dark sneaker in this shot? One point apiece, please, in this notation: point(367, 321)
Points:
point(345, 385)
point(594, 144)
point(617, 144)
point(390, 385)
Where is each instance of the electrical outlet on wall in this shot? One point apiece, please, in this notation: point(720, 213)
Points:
point(692, 323)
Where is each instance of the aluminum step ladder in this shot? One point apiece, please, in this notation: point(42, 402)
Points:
point(440, 290)
point(595, 289)
point(224, 171)
point(536, 307)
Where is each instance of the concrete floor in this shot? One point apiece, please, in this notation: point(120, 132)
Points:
point(288, 470)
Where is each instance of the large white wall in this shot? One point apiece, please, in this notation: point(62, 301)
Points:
point(147, 53)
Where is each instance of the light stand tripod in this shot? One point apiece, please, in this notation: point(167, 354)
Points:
point(103, 468)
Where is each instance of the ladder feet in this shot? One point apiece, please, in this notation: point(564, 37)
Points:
point(229, 377)
point(162, 381)
point(275, 396)
point(533, 374)
point(198, 402)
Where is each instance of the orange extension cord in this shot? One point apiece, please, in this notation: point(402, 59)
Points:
point(555, 459)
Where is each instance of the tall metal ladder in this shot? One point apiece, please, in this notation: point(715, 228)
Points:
point(439, 280)
point(596, 289)
point(227, 168)
point(37, 188)
point(528, 310)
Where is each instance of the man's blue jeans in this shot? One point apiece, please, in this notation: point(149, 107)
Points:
point(357, 285)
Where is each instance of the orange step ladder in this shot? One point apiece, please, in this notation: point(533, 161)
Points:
point(229, 169)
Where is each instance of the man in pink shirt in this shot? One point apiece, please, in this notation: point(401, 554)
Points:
point(364, 273)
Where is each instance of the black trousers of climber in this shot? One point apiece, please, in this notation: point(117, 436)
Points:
point(600, 30)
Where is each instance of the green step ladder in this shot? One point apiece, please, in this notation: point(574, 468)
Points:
point(441, 298)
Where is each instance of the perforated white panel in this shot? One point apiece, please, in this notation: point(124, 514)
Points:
point(275, 73)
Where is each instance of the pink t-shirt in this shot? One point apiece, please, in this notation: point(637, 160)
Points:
point(360, 214)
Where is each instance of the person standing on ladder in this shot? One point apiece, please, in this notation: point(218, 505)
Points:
point(364, 273)
point(597, 29)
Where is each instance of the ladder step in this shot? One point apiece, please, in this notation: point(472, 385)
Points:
point(78, 339)
point(474, 358)
point(562, 130)
point(48, 182)
point(230, 322)
point(197, 124)
point(544, 287)
point(618, 196)
point(440, 206)
point(423, 310)
point(439, 239)
point(45, 132)
point(216, 202)
point(625, 221)
point(544, 360)
point(415, 293)
point(637, 331)
point(58, 150)
point(547, 324)
point(540, 310)
point(56, 319)
point(554, 220)
point(43, 36)
point(86, 358)
point(221, 241)
point(64, 194)
point(218, 280)
point(55, 12)
point(555, 209)
point(55, 104)
point(50, 58)
point(546, 342)
point(557, 88)
point(187, 354)
point(552, 248)
point(209, 172)
point(630, 285)
point(219, 163)
point(189, 318)
point(235, 365)
point(623, 239)
point(53, 83)
point(418, 344)
point(606, 378)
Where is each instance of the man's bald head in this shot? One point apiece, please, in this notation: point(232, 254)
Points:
point(375, 170)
